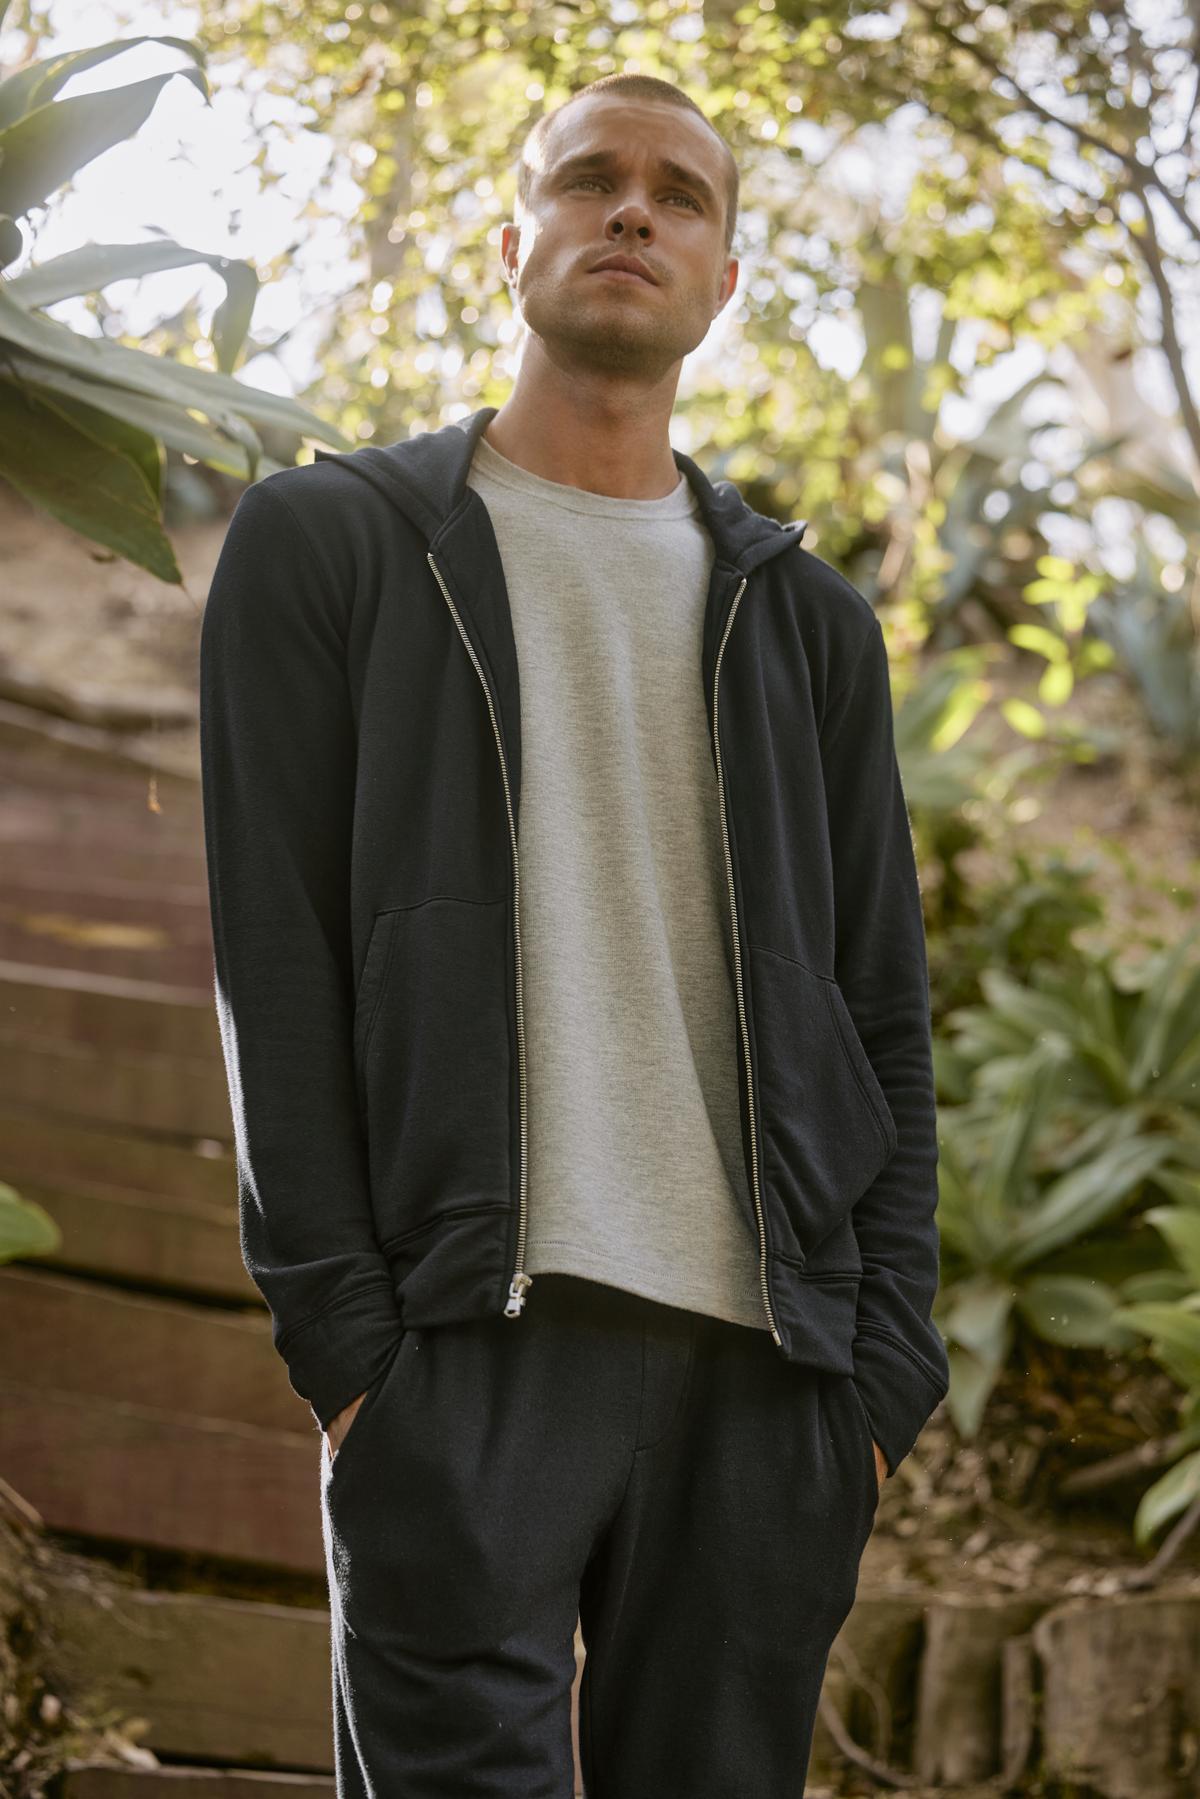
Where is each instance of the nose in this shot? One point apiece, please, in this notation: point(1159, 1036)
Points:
point(633, 215)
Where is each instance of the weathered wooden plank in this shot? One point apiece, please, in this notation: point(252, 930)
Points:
point(182, 1096)
point(69, 859)
point(192, 1783)
point(55, 1005)
point(85, 1338)
point(80, 936)
point(136, 1207)
point(81, 919)
point(143, 1474)
point(183, 1246)
point(233, 1681)
point(241, 1683)
point(87, 751)
point(88, 1158)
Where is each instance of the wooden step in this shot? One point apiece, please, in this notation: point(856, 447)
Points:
point(192, 1783)
point(241, 1683)
point(134, 1419)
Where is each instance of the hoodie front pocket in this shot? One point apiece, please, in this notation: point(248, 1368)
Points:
point(827, 1129)
point(433, 1060)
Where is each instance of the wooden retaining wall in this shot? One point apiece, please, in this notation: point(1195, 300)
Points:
point(147, 1418)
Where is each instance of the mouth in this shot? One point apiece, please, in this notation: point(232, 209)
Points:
point(624, 273)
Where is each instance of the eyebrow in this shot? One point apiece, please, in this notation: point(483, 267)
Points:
point(604, 159)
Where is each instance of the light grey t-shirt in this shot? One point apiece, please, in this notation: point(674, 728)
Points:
point(636, 1176)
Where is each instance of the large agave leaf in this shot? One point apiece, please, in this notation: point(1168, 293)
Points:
point(1180, 1184)
point(46, 147)
point(1086, 1196)
point(1174, 1331)
point(94, 266)
point(1181, 1228)
point(1156, 1022)
point(1066, 1308)
point(85, 477)
point(40, 81)
point(978, 1317)
point(1165, 1286)
point(1035, 1012)
point(959, 1222)
point(1005, 1175)
point(971, 1384)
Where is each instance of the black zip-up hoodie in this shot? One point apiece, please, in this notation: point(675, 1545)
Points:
point(361, 765)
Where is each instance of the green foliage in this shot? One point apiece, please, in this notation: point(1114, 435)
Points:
point(1155, 632)
point(26, 1229)
point(1076, 1098)
point(1027, 914)
point(84, 421)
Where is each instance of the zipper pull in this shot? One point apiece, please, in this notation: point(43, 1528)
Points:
point(516, 1295)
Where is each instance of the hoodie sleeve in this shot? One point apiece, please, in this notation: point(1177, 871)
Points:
point(277, 755)
point(900, 1362)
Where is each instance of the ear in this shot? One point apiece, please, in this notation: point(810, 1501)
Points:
point(510, 243)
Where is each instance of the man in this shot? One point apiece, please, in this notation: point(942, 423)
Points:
point(572, 985)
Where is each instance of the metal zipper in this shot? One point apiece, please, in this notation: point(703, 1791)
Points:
point(737, 962)
point(520, 1281)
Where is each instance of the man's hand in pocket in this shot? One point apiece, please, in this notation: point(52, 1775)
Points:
point(341, 1424)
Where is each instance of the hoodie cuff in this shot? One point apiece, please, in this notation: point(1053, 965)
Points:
point(899, 1396)
point(336, 1356)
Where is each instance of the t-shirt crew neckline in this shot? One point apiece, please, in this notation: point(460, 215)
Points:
point(679, 503)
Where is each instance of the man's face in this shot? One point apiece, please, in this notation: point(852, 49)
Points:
point(630, 204)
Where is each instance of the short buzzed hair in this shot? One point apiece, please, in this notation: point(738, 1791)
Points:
point(638, 87)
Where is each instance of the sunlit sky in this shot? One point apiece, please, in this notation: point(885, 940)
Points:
point(189, 174)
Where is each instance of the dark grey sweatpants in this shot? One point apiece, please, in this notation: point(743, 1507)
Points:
point(664, 1477)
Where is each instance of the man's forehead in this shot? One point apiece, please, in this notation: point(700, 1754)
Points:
point(607, 125)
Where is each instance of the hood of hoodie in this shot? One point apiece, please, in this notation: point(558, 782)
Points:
point(426, 478)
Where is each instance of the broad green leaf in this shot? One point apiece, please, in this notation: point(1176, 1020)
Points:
point(231, 320)
point(45, 148)
point(1040, 640)
point(1181, 1228)
point(115, 433)
point(12, 241)
point(1174, 1331)
point(1180, 1184)
point(971, 1383)
point(1156, 1010)
point(91, 487)
point(1063, 1308)
point(26, 1228)
point(1024, 718)
point(221, 398)
point(978, 1317)
point(1037, 1012)
point(40, 81)
point(1080, 1200)
point(163, 419)
point(1170, 1495)
point(1165, 1286)
point(93, 267)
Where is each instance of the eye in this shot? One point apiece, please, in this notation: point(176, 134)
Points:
point(595, 182)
